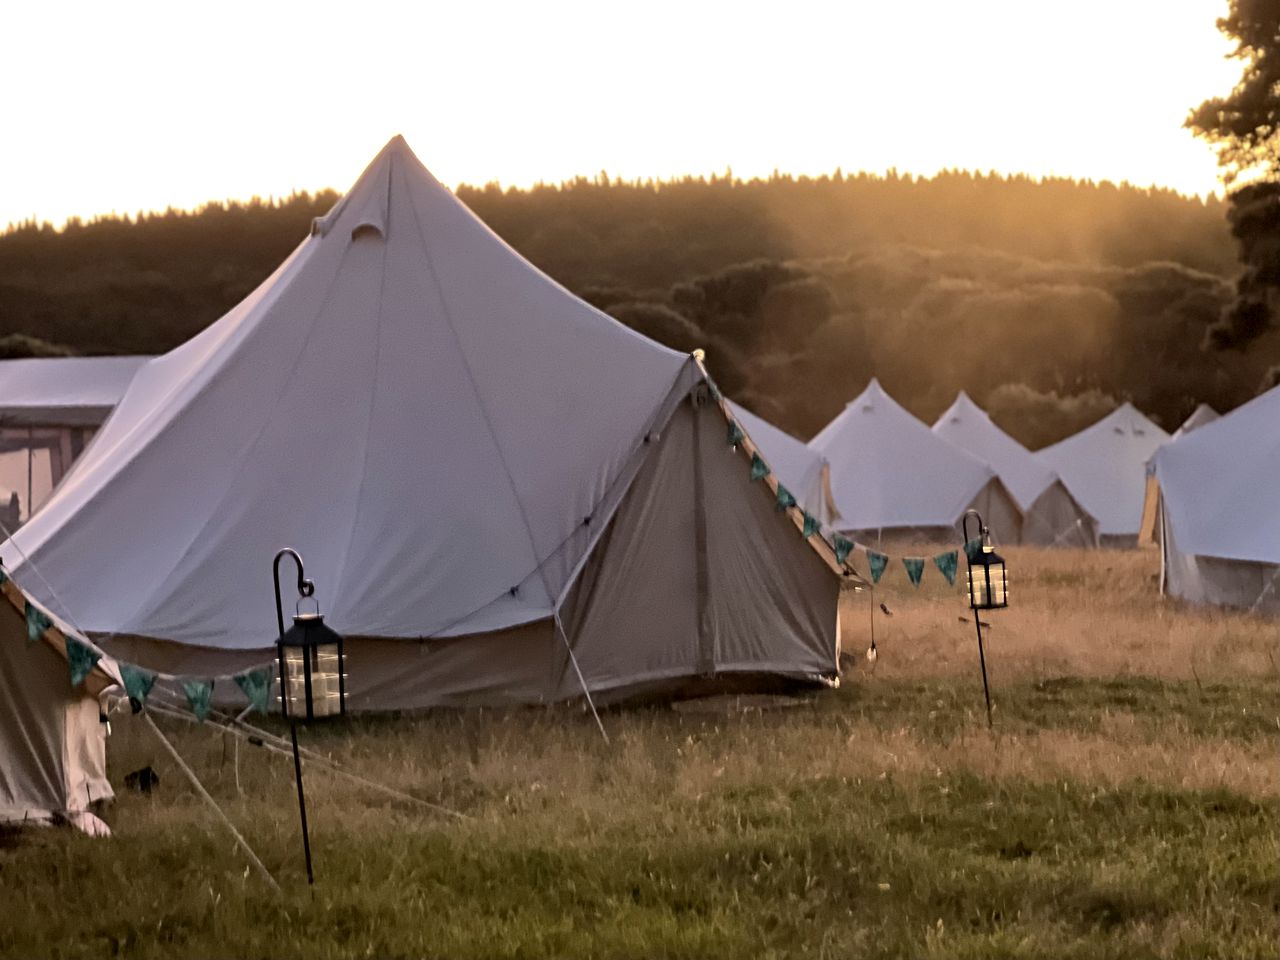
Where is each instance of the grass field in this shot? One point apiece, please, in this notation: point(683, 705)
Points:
point(1126, 806)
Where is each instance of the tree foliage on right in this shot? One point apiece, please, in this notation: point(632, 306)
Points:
point(1244, 129)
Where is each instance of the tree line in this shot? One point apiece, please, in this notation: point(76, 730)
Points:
point(1048, 300)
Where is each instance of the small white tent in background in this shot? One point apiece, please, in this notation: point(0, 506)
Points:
point(1219, 509)
point(892, 477)
point(1050, 515)
point(1105, 468)
point(53, 759)
point(1202, 415)
point(503, 494)
point(799, 467)
point(50, 407)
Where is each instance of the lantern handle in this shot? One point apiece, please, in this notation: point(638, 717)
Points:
point(964, 527)
point(297, 607)
point(306, 588)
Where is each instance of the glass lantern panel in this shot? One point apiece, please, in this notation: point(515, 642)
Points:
point(999, 586)
point(296, 681)
point(326, 689)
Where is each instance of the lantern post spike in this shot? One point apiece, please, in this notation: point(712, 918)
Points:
point(305, 589)
point(973, 601)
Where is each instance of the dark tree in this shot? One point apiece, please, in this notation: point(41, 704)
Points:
point(1244, 128)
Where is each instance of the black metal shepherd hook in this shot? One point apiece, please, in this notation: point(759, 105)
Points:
point(306, 588)
point(976, 597)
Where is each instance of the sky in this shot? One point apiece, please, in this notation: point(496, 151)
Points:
point(129, 106)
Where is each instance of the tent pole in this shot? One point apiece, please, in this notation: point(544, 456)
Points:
point(582, 681)
point(253, 857)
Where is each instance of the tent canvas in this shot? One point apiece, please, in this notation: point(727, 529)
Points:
point(1199, 417)
point(891, 475)
point(1050, 515)
point(1105, 467)
point(455, 444)
point(1219, 509)
point(52, 743)
point(49, 410)
point(799, 467)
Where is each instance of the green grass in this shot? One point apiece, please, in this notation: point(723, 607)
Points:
point(1129, 815)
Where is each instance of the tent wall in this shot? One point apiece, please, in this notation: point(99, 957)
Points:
point(1056, 520)
point(699, 575)
point(1242, 584)
point(993, 502)
point(52, 746)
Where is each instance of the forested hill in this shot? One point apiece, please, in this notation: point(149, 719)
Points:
point(1047, 300)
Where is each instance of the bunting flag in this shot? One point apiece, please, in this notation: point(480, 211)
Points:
point(199, 693)
point(946, 564)
point(843, 547)
point(256, 685)
point(877, 562)
point(759, 469)
point(81, 659)
point(137, 682)
point(915, 569)
point(785, 499)
point(37, 622)
point(810, 525)
point(3, 576)
point(973, 550)
point(736, 436)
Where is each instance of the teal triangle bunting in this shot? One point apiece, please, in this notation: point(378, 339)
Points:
point(876, 562)
point(810, 525)
point(37, 622)
point(915, 569)
point(785, 498)
point(81, 659)
point(137, 682)
point(256, 685)
point(946, 563)
point(973, 550)
point(199, 693)
point(736, 436)
point(759, 469)
point(843, 547)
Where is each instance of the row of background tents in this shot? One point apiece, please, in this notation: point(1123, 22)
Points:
point(505, 495)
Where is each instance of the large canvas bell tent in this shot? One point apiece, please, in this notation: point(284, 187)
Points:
point(893, 478)
point(1050, 514)
point(482, 472)
point(53, 760)
point(1105, 468)
point(799, 467)
point(1219, 509)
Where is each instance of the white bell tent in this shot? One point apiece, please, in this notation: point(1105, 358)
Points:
point(50, 407)
point(481, 471)
point(53, 759)
point(1219, 509)
point(1105, 468)
point(1202, 415)
point(799, 467)
point(1050, 515)
point(894, 479)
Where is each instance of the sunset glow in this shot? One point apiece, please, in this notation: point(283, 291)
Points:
point(139, 106)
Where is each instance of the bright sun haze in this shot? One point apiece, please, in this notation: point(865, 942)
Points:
point(139, 106)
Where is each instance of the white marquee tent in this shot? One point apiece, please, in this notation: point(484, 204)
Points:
point(892, 477)
point(481, 471)
point(1219, 515)
point(1105, 468)
point(1050, 515)
point(799, 467)
point(53, 760)
point(50, 408)
point(1199, 417)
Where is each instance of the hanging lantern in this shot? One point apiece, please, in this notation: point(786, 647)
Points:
point(312, 670)
point(988, 581)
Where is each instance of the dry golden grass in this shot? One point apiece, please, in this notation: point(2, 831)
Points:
point(1125, 805)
